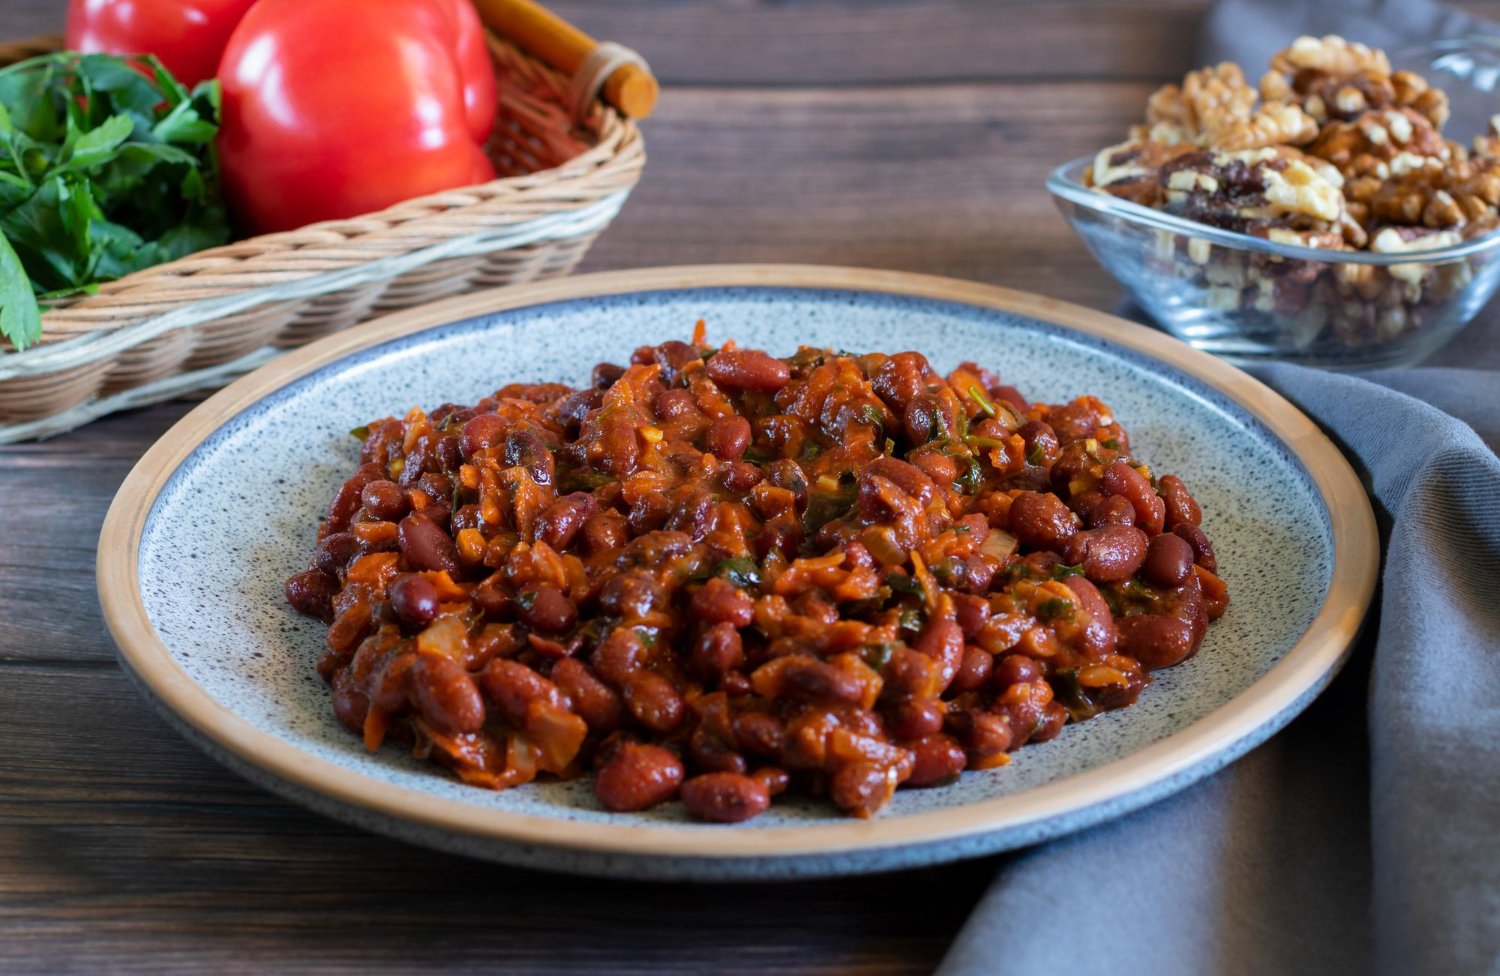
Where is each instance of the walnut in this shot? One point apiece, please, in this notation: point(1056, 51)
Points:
point(1413, 92)
point(1253, 188)
point(1215, 108)
point(1132, 170)
point(1488, 144)
point(1270, 125)
point(1438, 197)
point(1382, 144)
point(1330, 55)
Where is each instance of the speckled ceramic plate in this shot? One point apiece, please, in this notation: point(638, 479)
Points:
point(223, 508)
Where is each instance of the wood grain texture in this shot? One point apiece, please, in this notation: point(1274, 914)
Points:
point(909, 134)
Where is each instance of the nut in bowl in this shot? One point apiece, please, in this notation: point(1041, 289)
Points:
point(1322, 218)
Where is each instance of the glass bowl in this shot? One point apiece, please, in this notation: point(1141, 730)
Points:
point(1253, 300)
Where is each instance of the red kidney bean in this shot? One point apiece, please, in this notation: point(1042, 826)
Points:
point(605, 532)
point(1075, 421)
point(760, 734)
point(717, 650)
point(414, 598)
point(728, 437)
point(930, 417)
point(525, 449)
point(445, 694)
point(631, 594)
point(1016, 669)
point(384, 500)
point(811, 680)
point(1181, 506)
point(748, 369)
point(467, 517)
point(939, 467)
point(915, 719)
point(346, 501)
point(1108, 554)
point(901, 379)
point(350, 705)
point(637, 777)
point(334, 553)
point(619, 655)
point(1054, 717)
point(908, 673)
point(725, 797)
point(1156, 641)
point(599, 705)
point(653, 701)
point(972, 613)
point(861, 788)
point(312, 593)
point(561, 521)
point(741, 476)
point(974, 671)
point(775, 780)
point(511, 686)
point(1203, 550)
point(671, 404)
point(1112, 510)
point(483, 432)
point(606, 375)
point(1041, 521)
point(1010, 395)
point(707, 752)
point(983, 734)
point(548, 610)
point(675, 357)
point(649, 513)
point(437, 486)
point(1100, 636)
point(1169, 560)
point(1042, 446)
point(937, 758)
point(425, 545)
point(574, 408)
point(1123, 480)
point(943, 641)
point(719, 601)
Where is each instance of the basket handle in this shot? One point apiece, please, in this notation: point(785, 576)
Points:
point(613, 70)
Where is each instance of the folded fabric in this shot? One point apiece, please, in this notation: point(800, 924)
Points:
point(1363, 837)
point(1326, 850)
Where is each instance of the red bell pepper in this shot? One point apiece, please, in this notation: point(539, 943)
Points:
point(334, 108)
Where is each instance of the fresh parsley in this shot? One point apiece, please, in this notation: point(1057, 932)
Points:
point(107, 166)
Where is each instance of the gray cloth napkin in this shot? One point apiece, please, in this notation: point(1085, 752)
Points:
point(1365, 837)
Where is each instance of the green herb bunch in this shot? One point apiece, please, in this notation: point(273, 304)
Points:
point(104, 170)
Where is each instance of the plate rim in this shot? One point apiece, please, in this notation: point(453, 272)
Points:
point(1306, 666)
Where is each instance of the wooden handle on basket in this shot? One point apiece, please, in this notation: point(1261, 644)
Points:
point(629, 88)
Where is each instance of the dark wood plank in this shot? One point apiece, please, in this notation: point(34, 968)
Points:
point(125, 849)
point(844, 42)
point(47, 593)
point(944, 179)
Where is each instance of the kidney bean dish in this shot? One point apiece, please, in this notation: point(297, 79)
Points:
point(717, 576)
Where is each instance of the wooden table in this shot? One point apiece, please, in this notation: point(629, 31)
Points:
point(908, 134)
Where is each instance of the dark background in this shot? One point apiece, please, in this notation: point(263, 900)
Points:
point(913, 135)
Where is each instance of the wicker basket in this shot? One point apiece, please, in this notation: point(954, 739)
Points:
point(200, 321)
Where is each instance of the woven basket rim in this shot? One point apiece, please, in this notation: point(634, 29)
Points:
point(617, 151)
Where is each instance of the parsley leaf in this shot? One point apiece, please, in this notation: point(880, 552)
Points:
point(104, 170)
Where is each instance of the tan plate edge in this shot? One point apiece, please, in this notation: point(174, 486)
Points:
point(1327, 640)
